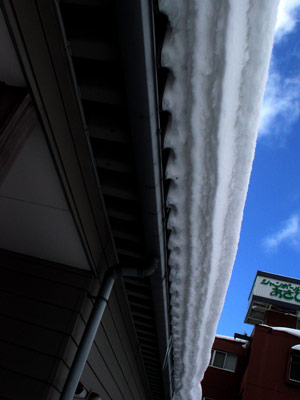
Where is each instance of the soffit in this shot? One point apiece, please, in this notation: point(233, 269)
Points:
point(35, 218)
point(92, 33)
point(10, 70)
point(52, 89)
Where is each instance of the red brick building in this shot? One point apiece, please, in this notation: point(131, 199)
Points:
point(266, 365)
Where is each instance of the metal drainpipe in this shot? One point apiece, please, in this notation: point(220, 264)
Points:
point(94, 322)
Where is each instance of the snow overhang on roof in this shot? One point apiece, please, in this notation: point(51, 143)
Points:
point(232, 339)
point(290, 331)
point(219, 54)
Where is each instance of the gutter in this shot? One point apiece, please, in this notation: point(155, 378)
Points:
point(136, 31)
point(94, 321)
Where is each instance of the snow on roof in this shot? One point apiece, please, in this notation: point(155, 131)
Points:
point(291, 331)
point(231, 338)
point(296, 347)
point(219, 53)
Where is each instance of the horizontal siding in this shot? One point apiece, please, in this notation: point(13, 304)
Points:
point(36, 313)
point(108, 377)
point(114, 357)
point(135, 359)
point(43, 312)
point(39, 308)
point(92, 381)
point(51, 271)
point(25, 361)
point(21, 334)
point(53, 394)
point(42, 290)
point(17, 386)
point(122, 337)
point(113, 362)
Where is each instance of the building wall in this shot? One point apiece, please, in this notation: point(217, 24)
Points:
point(219, 384)
point(114, 368)
point(39, 306)
point(43, 311)
point(275, 318)
point(266, 375)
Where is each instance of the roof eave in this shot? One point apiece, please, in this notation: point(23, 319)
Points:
point(136, 29)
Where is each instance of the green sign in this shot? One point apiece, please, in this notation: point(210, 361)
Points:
point(281, 290)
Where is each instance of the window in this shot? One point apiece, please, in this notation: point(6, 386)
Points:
point(294, 374)
point(222, 360)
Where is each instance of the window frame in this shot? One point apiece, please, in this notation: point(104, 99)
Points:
point(212, 359)
point(289, 379)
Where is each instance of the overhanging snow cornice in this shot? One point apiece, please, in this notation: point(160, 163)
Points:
point(218, 52)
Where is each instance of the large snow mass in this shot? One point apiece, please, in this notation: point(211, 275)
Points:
point(218, 53)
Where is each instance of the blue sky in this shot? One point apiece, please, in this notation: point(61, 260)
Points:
point(270, 235)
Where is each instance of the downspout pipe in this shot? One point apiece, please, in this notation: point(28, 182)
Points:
point(94, 321)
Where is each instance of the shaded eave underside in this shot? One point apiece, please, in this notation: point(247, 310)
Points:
point(107, 51)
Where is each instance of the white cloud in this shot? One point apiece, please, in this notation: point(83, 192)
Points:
point(286, 18)
point(281, 103)
point(289, 233)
